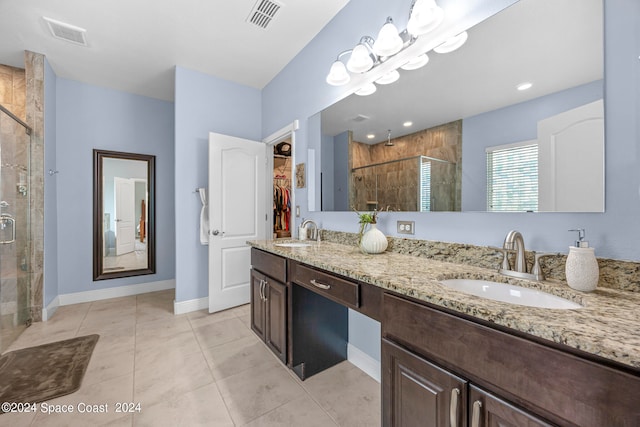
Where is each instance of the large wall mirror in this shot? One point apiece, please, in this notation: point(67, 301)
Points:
point(123, 214)
point(448, 136)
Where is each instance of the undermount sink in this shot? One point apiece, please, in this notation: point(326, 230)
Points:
point(292, 244)
point(512, 294)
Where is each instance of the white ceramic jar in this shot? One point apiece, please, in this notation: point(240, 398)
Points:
point(582, 269)
point(373, 241)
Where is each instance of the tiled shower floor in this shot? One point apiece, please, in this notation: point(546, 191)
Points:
point(193, 369)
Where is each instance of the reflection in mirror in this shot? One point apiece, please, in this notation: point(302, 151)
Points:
point(557, 45)
point(124, 214)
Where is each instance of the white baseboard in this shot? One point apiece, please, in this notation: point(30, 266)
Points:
point(119, 291)
point(51, 308)
point(364, 362)
point(183, 307)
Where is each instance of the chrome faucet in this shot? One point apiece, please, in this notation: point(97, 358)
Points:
point(315, 232)
point(514, 243)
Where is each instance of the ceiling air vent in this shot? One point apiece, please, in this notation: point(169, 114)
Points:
point(263, 12)
point(360, 118)
point(67, 32)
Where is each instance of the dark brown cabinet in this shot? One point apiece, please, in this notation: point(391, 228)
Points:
point(416, 392)
point(269, 302)
point(439, 367)
point(487, 410)
point(512, 381)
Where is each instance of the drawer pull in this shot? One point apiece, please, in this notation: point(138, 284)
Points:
point(453, 408)
point(263, 296)
point(475, 419)
point(320, 285)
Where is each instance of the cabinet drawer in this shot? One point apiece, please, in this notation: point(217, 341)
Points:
point(333, 287)
point(271, 265)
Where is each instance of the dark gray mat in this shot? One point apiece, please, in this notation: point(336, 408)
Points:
point(40, 373)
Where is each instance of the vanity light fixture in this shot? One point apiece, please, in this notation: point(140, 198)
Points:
point(371, 135)
point(389, 78)
point(452, 43)
point(417, 62)
point(366, 90)
point(425, 16)
point(362, 57)
point(407, 124)
point(389, 41)
point(524, 86)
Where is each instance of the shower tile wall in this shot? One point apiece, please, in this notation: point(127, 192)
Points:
point(34, 71)
point(13, 90)
point(397, 184)
point(14, 157)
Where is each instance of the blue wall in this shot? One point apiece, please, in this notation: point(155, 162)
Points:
point(89, 117)
point(300, 91)
point(50, 187)
point(507, 125)
point(203, 104)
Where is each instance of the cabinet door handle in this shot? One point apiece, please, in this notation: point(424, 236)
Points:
point(262, 282)
point(264, 291)
point(475, 418)
point(453, 408)
point(320, 285)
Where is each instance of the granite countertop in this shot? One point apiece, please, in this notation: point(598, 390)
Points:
point(608, 324)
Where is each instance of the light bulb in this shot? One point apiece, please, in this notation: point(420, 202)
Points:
point(338, 74)
point(360, 60)
point(426, 15)
point(389, 41)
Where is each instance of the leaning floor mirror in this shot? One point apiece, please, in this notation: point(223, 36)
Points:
point(123, 214)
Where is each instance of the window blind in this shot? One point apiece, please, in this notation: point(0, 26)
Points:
point(425, 185)
point(512, 178)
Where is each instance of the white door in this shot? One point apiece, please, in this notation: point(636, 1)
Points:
point(571, 160)
point(237, 213)
point(125, 215)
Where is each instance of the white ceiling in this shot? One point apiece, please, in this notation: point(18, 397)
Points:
point(134, 46)
point(554, 44)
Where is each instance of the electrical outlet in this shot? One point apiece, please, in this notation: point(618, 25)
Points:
point(406, 227)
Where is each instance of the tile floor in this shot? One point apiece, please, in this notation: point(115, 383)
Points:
point(190, 370)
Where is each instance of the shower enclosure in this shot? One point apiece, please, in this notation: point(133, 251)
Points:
point(418, 183)
point(15, 147)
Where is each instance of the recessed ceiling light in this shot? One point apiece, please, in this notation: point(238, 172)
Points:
point(407, 124)
point(371, 136)
point(524, 86)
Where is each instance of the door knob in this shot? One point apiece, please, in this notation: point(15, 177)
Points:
point(215, 232)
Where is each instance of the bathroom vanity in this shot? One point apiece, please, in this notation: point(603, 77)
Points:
point(449, 358)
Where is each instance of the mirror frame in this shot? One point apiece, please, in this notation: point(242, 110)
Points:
point(98, 233)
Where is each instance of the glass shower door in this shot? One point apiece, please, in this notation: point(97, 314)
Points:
point(15, 142)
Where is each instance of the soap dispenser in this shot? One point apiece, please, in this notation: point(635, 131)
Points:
point(581, 268)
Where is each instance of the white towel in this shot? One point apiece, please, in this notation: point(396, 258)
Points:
point(204, 217)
